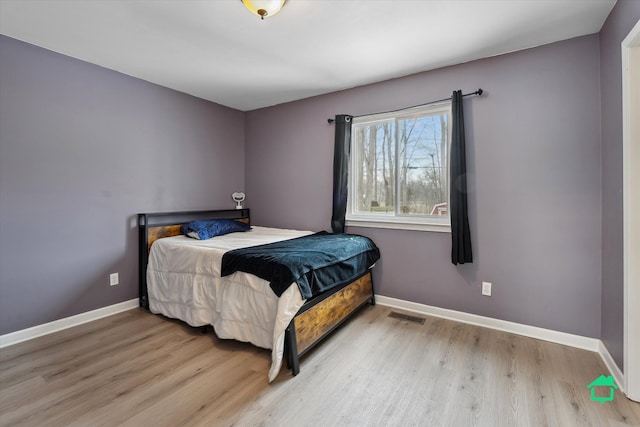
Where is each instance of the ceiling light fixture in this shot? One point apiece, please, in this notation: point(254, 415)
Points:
point(264, 8)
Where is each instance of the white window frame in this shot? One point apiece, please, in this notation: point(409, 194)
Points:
point(400, 222)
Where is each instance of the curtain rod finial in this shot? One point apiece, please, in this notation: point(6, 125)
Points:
point(479, 91)
point(330, 121)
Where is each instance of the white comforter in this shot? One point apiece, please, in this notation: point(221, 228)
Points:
point(183, 282)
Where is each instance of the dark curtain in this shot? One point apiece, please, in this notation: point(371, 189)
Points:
point(460, 234)
point(341, 171)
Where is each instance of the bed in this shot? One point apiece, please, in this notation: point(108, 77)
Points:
point(181, 277)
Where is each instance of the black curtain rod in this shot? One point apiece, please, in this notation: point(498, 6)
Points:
point(478, 92)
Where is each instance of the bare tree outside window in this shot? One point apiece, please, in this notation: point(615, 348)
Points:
point(400, 166)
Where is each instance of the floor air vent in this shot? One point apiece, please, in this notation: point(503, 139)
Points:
point(406, 317)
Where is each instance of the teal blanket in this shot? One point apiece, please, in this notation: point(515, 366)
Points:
point(316, 263)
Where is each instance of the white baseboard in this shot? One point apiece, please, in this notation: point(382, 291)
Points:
point(68, 322)
point(591, 344)
point(578, 341)
point(612, 366)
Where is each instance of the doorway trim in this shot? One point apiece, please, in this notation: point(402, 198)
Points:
point(630, 49)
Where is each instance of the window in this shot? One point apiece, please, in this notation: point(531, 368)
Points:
point(399, 169)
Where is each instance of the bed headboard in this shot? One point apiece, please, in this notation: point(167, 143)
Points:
point(154, 226)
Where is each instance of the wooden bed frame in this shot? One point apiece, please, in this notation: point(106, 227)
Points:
point(316, 319)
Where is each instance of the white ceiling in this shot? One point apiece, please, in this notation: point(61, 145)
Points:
point(219, 51)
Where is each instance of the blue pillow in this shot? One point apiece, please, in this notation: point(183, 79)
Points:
point(208, 228)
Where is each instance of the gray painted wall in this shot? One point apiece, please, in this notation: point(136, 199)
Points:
point(620, 21)
point(82, 150)
point(534, 166)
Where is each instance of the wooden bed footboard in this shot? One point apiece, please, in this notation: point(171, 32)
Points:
point(316, 319)
point(321, 315)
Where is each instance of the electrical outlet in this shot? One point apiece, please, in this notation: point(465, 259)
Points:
point(113, 279)
point(486, 288)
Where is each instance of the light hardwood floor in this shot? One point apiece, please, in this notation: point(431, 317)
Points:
point(138, 369)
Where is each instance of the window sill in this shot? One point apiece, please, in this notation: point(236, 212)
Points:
point(398, 225)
